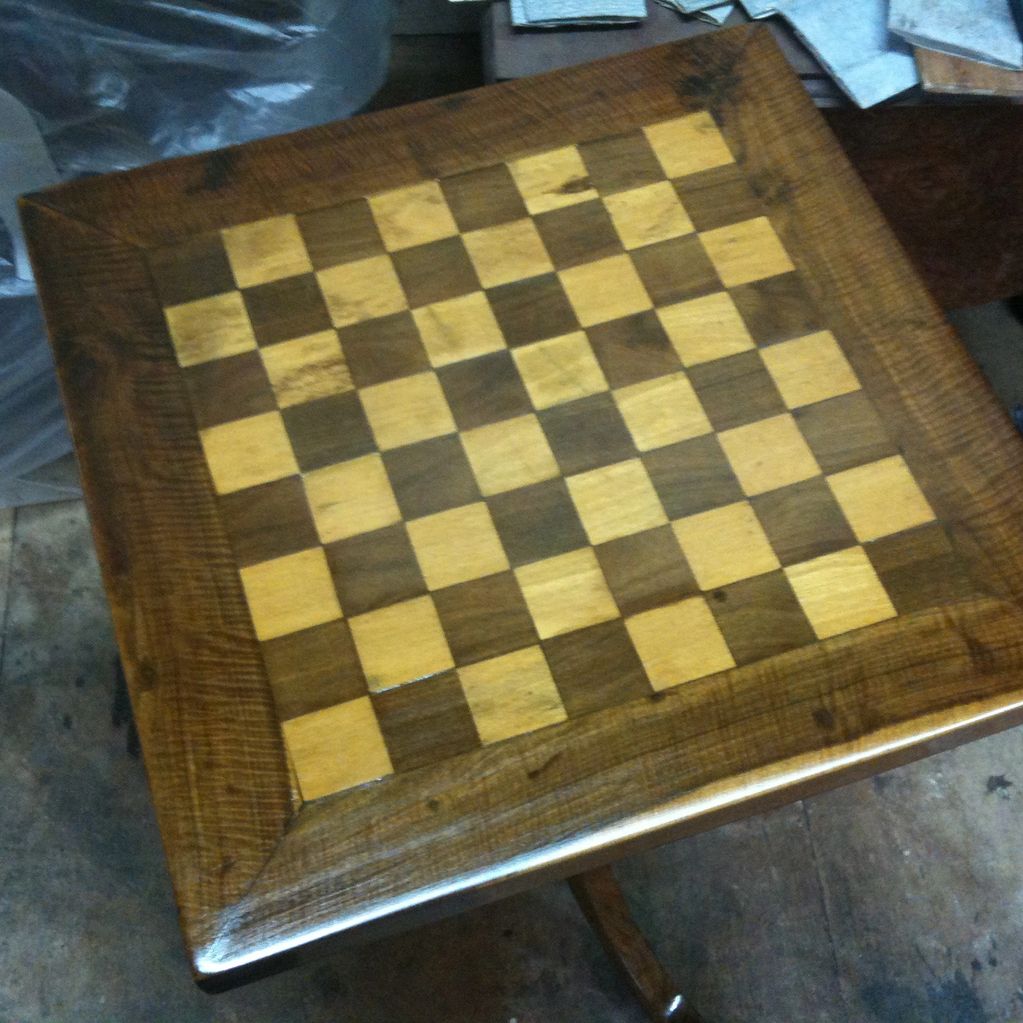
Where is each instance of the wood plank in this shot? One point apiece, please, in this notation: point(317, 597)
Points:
point(944, 73)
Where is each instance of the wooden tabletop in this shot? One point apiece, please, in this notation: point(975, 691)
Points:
point(487, 487)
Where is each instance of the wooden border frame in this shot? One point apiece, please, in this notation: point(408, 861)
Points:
point(255, 879)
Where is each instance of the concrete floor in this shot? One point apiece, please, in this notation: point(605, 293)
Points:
point(898, 900)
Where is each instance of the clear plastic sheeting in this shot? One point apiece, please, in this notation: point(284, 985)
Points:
point(113, 84)
point(31, 417)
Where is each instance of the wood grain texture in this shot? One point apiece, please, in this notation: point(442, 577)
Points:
point(217, 768)
point(586, 790)
point(942, 72)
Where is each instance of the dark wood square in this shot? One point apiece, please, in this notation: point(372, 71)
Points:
point(633, 349)
point(431, 476)
point(484, 618)
point(435, 271)
point(595, 668)
point(803, 521)
point(328, 430)
point(195, 268)
point(580, 233)
point(587, 433)
point(919, 568)
point(383, 349)
point(777, 308)
point(286, 309)
point(374, 570)
point(621, 162)
point(425, 721)
point(483, 198)
point(313, 669)
point(532, 309)
point(736, 390)
point(692, 476)
point(675, 270)
point(227, 389)
point(340, 234)
point(268, 521)
point(537, 522)
point(484, 390)
point(844, 432)
point(719, 196)
point(646, 570)
point(761, 618)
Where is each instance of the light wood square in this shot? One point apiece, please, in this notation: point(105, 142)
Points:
point(351, 497)
point(679, 643)
point(507, 252)
point(307, 368)
point(724, 545)
point(566, 592)
point(361, 290)
point(266, 250)
point(810, 369)
point(290, 594)
point(457, 545)
point(768, 454)
point(407, 410)
point(551, 180)
point(559, 369)
point(458, 328)
point(210, 328)
point(840, 592)
point(688, 144)
point(336, 748)
point(511, 695)
point(400, 643)
point(662, 411)
point(510, 454)
point(616, 500)
point(247, 452)
point(605, 290)
point(704, 329)
point(412, 216)
point(744, 252)
point(880, 498)
point(653, 213)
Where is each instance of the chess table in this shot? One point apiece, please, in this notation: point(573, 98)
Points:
point(490, 487)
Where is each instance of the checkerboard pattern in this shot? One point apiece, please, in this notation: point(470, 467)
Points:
point(531, 441)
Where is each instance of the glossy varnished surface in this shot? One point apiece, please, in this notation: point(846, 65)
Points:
point(517, 445)
point(861, 629)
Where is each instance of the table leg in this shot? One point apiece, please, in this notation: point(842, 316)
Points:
point(603, 903)
point(122, 714)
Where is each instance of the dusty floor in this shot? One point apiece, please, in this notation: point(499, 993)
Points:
point(898, 900)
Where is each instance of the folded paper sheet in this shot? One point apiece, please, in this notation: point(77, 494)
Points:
point(976, 29)
point(540, 13)
point(867, 62)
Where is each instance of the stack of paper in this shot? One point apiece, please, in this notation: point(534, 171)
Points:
point(552, 13)
point(984, 30)
point(713, 11)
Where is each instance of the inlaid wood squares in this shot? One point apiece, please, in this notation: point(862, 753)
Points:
point(531, 441)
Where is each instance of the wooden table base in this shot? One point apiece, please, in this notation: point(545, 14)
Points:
point(603, 903)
